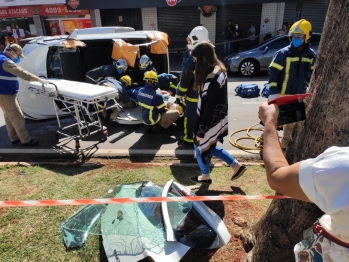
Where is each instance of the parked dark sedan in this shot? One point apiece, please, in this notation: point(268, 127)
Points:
point(250, 62)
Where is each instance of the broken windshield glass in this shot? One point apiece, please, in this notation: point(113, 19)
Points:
point(134, 231)
point(134, 226)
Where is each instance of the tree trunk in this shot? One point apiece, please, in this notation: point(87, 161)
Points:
point(327, 125)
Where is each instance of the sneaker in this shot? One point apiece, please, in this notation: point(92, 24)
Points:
point(240, 172)
point(31, 143)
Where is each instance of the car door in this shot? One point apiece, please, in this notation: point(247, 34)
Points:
point(273, 46)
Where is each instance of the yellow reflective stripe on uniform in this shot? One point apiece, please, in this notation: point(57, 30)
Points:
point(307, 60)
point(273, 84)
point(289, 60)
point(193, 100)
point(161, 106)
point(186, 131)
point(182, 89)
point(150, 108)
point(158, 120)
point(312, 68)
point(276, 65)
point(146, 106)
point(173, 86)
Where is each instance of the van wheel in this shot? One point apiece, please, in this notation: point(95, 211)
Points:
point(248, 67)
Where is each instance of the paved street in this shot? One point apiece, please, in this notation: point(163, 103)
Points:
point(129, 140)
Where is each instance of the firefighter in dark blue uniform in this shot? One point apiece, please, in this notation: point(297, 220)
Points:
point(155, 114)
point(186, 85)
point(291, 68)
point(144, 65)
point(116, 70)
point(168, 82)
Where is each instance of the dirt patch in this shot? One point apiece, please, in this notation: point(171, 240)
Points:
point(3, 210)
point(24, 191)
point(125, 165)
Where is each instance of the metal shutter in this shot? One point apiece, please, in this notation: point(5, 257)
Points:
point(240, 14)
point(131, 17)
point(315, 13)
point(178, 22)
point(289, 12)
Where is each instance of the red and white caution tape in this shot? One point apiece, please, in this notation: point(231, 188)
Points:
point(102, 201)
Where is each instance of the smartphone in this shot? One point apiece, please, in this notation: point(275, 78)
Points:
point(291, 113)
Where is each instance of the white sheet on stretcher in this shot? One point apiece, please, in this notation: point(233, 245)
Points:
point(77, 90)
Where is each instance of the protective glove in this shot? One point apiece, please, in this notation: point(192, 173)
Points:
point(43, 81)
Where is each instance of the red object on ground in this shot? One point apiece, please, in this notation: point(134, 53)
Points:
point(286, 100)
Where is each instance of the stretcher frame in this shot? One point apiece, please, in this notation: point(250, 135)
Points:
point(86, 113)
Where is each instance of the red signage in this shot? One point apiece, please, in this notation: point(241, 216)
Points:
point(49, 10)
point(171, 2)
point(20, 11)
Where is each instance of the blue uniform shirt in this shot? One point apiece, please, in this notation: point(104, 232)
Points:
point(152, 104)
point(290, 70)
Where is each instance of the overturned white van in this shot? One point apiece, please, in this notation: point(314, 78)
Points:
point(82, 51)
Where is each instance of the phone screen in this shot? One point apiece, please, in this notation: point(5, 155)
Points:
point(291, 113)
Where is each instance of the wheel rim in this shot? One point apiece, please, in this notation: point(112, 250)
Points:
point(247, 68)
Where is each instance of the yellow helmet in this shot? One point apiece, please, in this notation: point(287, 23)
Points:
point(127, 80)
point(151, 77)
point(301, 27)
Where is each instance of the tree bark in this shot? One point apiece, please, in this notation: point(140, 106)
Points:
point(327, 125)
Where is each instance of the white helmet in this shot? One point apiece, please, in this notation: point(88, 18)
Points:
point(197, 35)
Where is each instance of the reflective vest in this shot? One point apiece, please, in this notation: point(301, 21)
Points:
point(8, 82)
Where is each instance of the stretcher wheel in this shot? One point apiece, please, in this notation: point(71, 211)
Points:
point(77, 145)
point(105, 134)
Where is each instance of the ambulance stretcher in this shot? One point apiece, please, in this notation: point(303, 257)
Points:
point(85, 102)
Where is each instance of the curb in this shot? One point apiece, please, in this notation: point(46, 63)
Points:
point(29, 164)
point(102, 153)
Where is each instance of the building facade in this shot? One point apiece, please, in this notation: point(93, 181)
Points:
point(26, 18)
point(178, 17)
point(175, 17)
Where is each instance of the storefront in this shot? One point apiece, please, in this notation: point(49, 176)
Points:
point(314, 12)
point(16, 23)
point(58, 20)
point(241, 14)
point(131, 17)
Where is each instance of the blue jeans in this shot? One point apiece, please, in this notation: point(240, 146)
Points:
point(216, 152)
point(227, 49)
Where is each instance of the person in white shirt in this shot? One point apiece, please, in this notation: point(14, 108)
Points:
point(323, 181)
